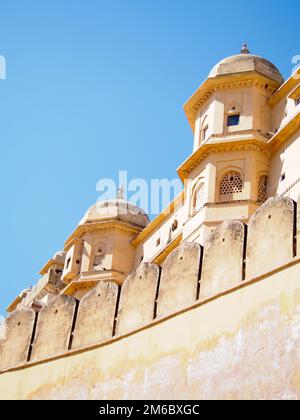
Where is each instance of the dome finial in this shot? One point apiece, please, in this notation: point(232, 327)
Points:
point(245, 49)
point(120, 193)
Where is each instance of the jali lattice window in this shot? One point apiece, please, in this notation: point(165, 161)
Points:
point(262, 188)
point(231, 184)
point(198, 198)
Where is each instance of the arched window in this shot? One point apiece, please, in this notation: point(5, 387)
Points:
point(174, 225)
point(198, 200)
point(230, 185)
point(262, 188)
point(203, 130)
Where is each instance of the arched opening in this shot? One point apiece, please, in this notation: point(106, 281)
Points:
point(198, 198)
point(203, 131)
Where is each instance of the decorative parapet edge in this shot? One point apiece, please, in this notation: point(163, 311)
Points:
point(201, 302)
point(246, 257)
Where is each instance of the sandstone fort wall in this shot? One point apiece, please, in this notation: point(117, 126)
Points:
point(227, 278)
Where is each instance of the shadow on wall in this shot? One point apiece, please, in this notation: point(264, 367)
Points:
point(233, 253)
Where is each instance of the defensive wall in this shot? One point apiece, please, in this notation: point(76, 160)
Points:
point(215, 322)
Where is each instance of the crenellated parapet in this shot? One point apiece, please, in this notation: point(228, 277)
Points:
point(234, 254)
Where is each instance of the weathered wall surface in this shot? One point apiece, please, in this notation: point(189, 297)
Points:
point(96, 315)
point(223, 259)
point(179, 279)
point(54, 327)
point(137, 300)
point(250, 337)
point(14, 350)
point(271, 233)
point(175, 332)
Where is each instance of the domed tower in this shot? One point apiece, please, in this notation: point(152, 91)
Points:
point(100, 247)
point(229, 114)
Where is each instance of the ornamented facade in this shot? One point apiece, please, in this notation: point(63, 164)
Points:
point(245, 121)
point(204, 300)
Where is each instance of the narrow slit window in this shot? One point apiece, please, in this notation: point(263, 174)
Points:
point(198, 198)
point(204, 133)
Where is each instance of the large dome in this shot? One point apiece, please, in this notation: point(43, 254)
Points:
point(116, 209)
point(246, 62)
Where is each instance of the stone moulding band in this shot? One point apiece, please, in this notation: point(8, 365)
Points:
point(231, 85)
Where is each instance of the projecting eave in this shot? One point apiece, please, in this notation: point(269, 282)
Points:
point(291, 126)
point(213, 84)
point(159, 220)
point(49, 264)
point(103, 224)
point(295, 93)
point(13, 305)
point(253, 142)
point(285, 88)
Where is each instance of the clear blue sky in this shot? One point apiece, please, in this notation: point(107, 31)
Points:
point(96, 86)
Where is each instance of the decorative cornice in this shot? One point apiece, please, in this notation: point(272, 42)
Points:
point(159, 259)
point(232, 85)
point(74, 241)
point(160, 219)
point(89, 279)
point(13, 305)
point(229, 81)
point(291, 126)
point(295, 94)
point(74, 286)
point(51, 263)
point(107, 224)
point(256, 134)
point(230, 203)
point(233, 146)
point(286, 88)
point(292, 185)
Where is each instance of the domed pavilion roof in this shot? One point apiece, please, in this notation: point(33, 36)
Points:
point(246, 62)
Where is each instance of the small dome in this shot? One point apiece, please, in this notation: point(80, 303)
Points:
point(246, 62)
point(59, 256)
point(116, 209)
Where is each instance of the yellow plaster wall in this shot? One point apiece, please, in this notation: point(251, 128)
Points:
point(240, 345)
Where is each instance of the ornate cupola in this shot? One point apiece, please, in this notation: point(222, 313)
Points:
point(100, 247)
point(231, 120)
